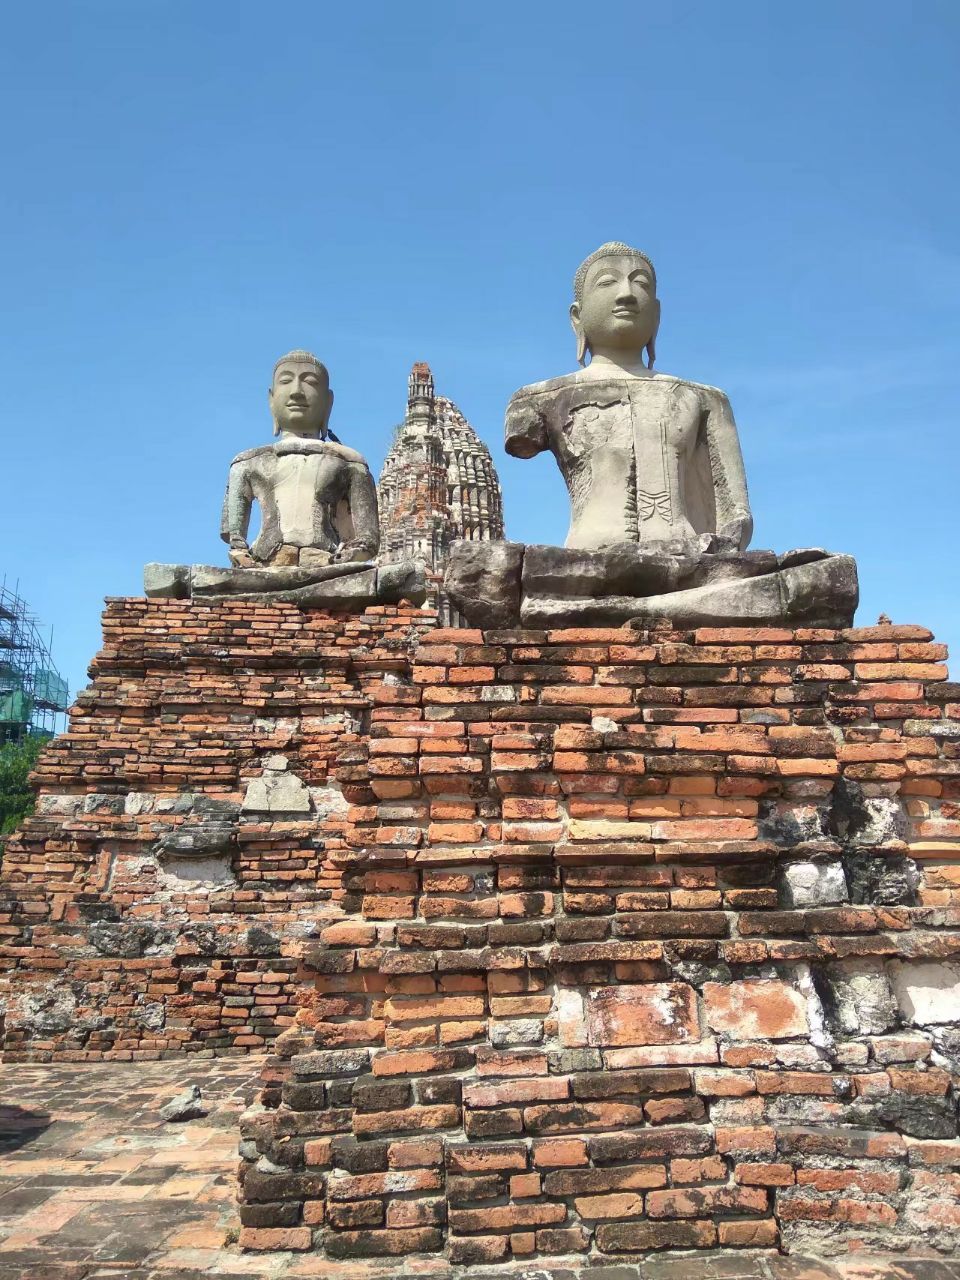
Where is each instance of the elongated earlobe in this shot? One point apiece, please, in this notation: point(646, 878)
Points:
point(578, 330)
point(651, 347)
point(325, 430)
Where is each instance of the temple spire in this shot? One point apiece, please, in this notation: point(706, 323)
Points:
point(420, 396)
point(438, 485)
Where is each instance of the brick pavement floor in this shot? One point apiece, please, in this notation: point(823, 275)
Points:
point(95, 1186)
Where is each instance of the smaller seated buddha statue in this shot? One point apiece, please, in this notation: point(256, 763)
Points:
point(319, 528)
point(317, 498)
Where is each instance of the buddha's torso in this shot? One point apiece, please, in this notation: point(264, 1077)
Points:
point(624, 444)
point(302, 482)
point(305, 489)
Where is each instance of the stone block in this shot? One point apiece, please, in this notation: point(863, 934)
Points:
point(927, 993)
point(638, 1237)
point(276, 792)
point(166, 580)
point(483, 581)
point(858, 998)
point(405, 580)
point(812, 884)
point(331, 1062)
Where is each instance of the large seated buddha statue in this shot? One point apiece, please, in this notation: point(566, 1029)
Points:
point(319, 530)
point(660, 517)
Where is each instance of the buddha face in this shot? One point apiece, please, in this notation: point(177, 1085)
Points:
point(619, 312)
point(300, 399)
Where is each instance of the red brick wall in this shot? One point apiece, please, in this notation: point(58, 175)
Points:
point(111, 951)
point(590, 941)
point(642, 934)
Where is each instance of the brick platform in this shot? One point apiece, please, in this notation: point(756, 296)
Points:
point(94, 1186)
point(600, 942)
point(115, 944)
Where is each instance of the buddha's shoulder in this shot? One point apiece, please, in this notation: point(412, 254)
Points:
point(258, 451)
point(550, 387)
point(345, 452)
point(283, 448)
point(703, 389)
point(589, 379)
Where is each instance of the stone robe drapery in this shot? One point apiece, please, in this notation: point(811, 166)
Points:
point(312, 493)
point(649, 459)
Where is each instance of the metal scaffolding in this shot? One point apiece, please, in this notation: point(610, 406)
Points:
point(33, 694)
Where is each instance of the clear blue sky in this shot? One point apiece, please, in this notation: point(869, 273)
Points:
point(193, 188)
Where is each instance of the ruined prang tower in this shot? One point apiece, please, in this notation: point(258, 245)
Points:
point(438, 486)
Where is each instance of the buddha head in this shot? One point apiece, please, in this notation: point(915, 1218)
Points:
point(615, 311)
point(300, 396)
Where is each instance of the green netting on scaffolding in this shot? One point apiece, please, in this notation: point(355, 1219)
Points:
point(50, 689)
point(15, 708)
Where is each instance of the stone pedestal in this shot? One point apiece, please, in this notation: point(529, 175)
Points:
point(566, 943)
point(508, 584)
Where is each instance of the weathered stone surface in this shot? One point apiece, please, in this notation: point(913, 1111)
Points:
point(277, 791)
point(858, 998)
point(918, 1117)
point(946, 1038)
point(185, 1106)
point(927, 993)
point(625, 569)
point(866, 820)
point(818, 588)
point(166, 580)
point(128, 939)
point(270, 1215)
point(354, 590)
point(820, 592)
point(638, 1237)
point(630, 582)
point(262, 941)
point(201, 840)
point(483, 581)
point(335, 586)
point(932, 728)
point(812, 884)
point(886, 880)
point(215, 581)
point(331, 1062)
point(405, 580)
